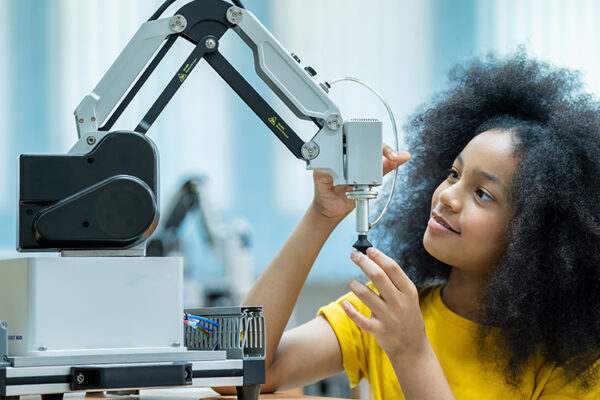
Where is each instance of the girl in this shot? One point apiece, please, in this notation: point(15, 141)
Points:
point(488, 284)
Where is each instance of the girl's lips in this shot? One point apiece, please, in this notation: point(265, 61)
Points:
point(436, 226)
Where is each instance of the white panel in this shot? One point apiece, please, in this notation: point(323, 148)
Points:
point(37, 371)
point(92, 305)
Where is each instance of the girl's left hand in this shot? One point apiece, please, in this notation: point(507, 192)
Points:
point(396, 321)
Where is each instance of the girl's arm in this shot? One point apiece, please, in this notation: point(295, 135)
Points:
point(311, 351)
point(277, 290)
point(397, 324)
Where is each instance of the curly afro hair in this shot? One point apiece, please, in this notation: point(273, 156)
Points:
point(544, 296)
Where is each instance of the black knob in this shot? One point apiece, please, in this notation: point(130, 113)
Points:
point(362, 244)
point(311, 71)
point(296, 57)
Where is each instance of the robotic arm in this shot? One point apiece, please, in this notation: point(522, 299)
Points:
point(102, 195)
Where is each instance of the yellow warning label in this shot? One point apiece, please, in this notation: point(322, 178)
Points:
point(273, 120)
point(188, 67)
point(182, 77)
point(282, 130)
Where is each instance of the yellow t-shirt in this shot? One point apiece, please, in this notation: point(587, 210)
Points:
point(451, 337)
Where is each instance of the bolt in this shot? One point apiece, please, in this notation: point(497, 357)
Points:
point(80, 378)
point(81, 120)
point(5, 358)
point(93, 119)
point(210, 43)
point(234, 15)
point(333, 122)
point(91, 140)
point(310, 150)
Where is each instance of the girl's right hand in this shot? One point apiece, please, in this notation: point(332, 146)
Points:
point(331, 201)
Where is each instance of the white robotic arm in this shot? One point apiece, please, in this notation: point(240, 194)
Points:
point(349, 150)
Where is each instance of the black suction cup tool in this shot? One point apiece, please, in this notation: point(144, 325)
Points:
point(362, 244)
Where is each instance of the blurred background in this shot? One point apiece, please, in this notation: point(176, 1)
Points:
point(251, 190)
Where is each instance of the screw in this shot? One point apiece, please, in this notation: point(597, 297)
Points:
point(310, 150)
point(176, 344)
point(81, 120)
point(178, 23)
point(93, 119)
point(210, 43)
point(42, 348)
point(5, 358)
point(91, 140)
point(80, 378)
point(333, 122)
point(234, 15)
point(3, 324)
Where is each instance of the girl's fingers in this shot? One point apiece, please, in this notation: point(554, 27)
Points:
point(376, 274)
point(392, 160)
point(367, 296)
point(360, 320)
point(391, 268)
point(388, 151)
point(392, 155)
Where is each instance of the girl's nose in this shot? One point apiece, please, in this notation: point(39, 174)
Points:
point(449, 198)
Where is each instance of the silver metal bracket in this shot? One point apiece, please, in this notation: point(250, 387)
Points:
point(362, 194)
point(137, 251)
point(97, 106)
point(4, 343)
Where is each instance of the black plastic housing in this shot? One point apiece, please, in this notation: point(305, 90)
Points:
point(106, 198)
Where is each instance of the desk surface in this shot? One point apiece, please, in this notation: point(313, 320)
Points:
point(179, 394)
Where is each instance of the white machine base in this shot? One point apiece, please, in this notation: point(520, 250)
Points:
point(89, 324)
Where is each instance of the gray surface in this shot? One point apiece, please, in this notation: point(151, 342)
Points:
point(180, 356)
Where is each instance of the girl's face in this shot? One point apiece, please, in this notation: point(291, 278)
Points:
point(470, 209)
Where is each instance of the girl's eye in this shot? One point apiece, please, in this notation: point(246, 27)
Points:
point(483, 195)
point(452, 174)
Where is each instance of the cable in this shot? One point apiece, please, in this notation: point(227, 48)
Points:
point(196, 324)
point(393, 120)
point(190, 316)
point(204, 329)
